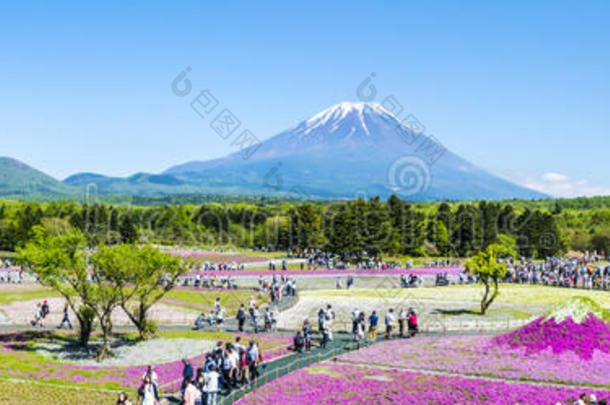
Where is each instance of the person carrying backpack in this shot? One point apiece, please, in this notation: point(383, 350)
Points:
point(45, 308)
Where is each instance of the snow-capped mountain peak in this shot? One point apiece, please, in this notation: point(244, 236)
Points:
point(346, 121)
point(348, 148)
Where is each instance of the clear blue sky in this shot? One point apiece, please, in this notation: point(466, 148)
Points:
point(519, 88)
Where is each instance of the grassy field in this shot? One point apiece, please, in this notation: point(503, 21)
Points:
point(193, 299)
point(34, 293)
point(509, 294)
point(204, 300)
point(18, 393)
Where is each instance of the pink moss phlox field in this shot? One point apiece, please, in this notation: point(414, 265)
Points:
point(479, 355)
point(336, 384)
point(421, 272)
point(581, 338)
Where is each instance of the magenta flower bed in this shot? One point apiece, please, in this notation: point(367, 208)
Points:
point(581, 338)
point(479, 355)
point(18, 362)
point(349, 384)
point(256, 273)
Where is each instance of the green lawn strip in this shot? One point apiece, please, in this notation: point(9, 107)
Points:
point(14, 392)
point(7, 297)
point(184, 334)
point(229, 299)
point(509, 294)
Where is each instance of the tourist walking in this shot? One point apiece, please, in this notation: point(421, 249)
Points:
point(307, 333)
point(325, 331)
point(210, 386)
point(241, 318)
point(66, 318)
point(359, 329)
point(255, 318)
point(389, 323)
point(148, 393)
point(38, 317)
point(373, 322)
point(253, 358)
point(402, 321)
point(220, 319)
point(187, 374)
point(413, 323)
point(191, 393)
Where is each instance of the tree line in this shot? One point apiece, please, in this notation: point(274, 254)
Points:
point(357, 228)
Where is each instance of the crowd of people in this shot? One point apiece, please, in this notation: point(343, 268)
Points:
point(204, 281)
point(10, 274)
point(215, 319)
point(585, 399)
point(579, 272)
point(406, 321)
point(208, 266)
point(229, 365)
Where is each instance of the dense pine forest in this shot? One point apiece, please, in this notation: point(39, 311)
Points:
point(373, 227)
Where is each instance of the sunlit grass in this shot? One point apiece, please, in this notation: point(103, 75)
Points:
point(509, 294)
point(16, 393)
point(7, 297)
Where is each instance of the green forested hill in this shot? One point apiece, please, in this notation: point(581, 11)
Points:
point(18, 179)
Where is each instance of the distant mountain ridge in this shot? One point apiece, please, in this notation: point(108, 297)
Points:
point(345, 151)
point(18, 179)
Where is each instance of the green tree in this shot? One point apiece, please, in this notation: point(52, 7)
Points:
point(305, 227)
point(143, 276)
point(128, 229)
point(489, 270)
point(103, 296)
point(59, 262)
point(408, 224)
point(600, 242)
point(339, 230)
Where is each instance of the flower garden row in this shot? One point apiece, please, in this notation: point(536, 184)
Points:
point(540, 363)
point(332, 272)
point(353, 384)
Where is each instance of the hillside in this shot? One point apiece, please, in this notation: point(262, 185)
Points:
point(18, 179)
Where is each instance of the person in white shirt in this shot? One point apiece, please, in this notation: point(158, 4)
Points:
point(210, 386)
point(389, 323)
point(150, 372)
point(220, 319)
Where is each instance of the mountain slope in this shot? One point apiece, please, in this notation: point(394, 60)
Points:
point(348, 150)
point(353, 149)
point(19, 179)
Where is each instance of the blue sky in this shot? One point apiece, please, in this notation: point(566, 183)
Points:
point(519, 88)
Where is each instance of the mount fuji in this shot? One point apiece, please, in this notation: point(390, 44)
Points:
point(345, 151)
